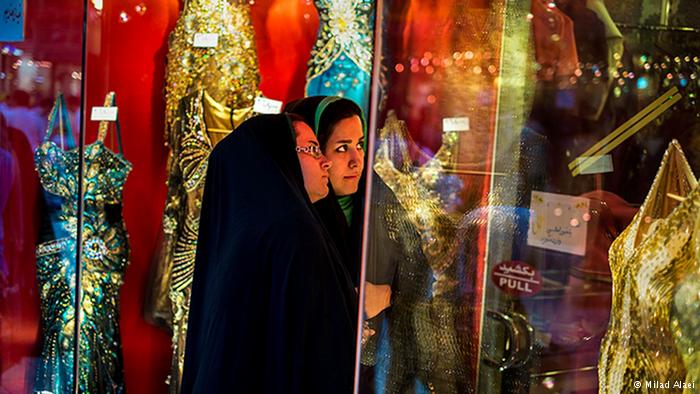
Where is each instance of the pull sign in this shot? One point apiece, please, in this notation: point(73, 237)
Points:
point(206, 40)
point(455, 124)
point(267, 106)
point(104, 114)
point(517, 278)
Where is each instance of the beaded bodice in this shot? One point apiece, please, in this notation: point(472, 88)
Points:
point(103, 262)
point(647, 262)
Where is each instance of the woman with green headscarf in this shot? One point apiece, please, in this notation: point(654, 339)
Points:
point(397, 272)
point(341, 130)
point(339, 127)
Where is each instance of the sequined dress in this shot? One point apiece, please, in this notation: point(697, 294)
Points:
point(104, 260)
point(424, 345)
point(229, 74)
point(685, 320)
point(647, 261)
point(202, 123)
point(341, 60)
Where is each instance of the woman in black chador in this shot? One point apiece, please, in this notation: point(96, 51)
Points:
point(272, 308)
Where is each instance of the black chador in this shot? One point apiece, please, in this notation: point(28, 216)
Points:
point(272, 307)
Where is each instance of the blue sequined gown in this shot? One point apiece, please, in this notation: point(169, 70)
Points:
point(104, 260)
point(341, 60)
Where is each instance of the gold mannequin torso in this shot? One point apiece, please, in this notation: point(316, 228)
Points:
point(647, 262)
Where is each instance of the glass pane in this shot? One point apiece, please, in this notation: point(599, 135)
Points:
point(515, 159)
point(40, 58)
point(145, 52)
point(126, 46)
point(432, 177)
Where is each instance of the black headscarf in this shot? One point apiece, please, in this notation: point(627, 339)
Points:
point(322, 113)
point(272, 306)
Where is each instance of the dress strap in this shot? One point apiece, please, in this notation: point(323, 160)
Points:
point(60, 112)
point(110, 101)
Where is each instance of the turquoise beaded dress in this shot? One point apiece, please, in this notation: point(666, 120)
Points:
point(104, 260)
point(341, 60)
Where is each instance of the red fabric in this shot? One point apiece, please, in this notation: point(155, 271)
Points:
point(19, 298)
point(285, 32)
point(555, 46)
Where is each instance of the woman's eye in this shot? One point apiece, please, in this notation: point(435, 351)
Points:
point(342, 148)
point(360, 146)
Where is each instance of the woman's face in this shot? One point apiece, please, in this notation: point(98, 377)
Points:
point(314, 166)
point(344, 149)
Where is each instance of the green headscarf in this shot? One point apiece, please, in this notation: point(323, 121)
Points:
point(312, 109)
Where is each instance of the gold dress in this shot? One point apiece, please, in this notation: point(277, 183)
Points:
point(202, 123)
point(647, 261)
point(434, 307)
point(195, 122)
point(229, 73)
point(685, 319)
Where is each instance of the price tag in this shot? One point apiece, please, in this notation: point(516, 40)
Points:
point(602, 164)
point(455, 124)
point(206, 40)
point(267, 106)
point(104, 113)
point(558, 222)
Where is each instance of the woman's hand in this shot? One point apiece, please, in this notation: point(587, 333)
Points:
point(377, 298)
point(366, 332)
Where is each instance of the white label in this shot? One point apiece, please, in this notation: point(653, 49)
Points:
point(104, 113)
point(267, 106)
point(206, 40)
point(601, 164)
point(455, 124)
point(558, 222)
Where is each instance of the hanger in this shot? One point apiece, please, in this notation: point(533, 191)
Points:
point(684, 29)
point(675, 197)
point(454, 170)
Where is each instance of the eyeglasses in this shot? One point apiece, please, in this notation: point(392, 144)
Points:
point(311, 150)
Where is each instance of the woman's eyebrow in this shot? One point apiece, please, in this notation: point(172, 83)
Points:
point(343, 142)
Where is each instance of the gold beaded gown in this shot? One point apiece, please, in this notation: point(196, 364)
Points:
point(202, 123)
point(424, 345)
point(209, 91)
point(229, 74)
point(647, 261)
point(685, 319)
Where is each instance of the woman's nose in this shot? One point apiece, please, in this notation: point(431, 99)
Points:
point(355, 158)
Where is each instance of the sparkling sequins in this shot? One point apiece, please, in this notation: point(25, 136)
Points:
point(647, 261)
point(95, 248)
point(341, 59)
point(228, 72)
point(105, 237)
point(201, 123)
point(52, 247)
